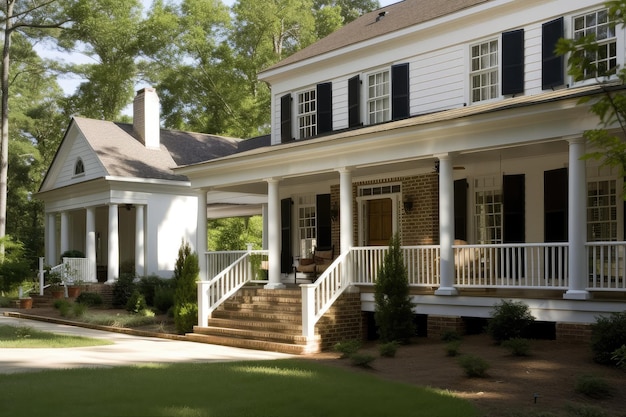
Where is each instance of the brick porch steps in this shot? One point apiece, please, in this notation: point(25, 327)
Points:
point(257, 318)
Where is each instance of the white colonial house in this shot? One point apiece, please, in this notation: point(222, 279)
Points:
point(454, 124)
point(111, 192)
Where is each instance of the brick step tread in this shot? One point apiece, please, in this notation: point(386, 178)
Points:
point(268, 299)
point(283, 308)
point(291, 338)
point(257, 315)
point(252, 344)
point(284, 292)
point(256, 325)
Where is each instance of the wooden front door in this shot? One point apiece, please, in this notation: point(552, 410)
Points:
point(379, 222)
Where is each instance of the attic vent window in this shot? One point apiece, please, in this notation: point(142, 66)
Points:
point(381, 15)
point(79, 167)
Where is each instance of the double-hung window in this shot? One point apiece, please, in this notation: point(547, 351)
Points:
point(603, 59)
point(307, 114)
point(484, 71)
point(378, 97)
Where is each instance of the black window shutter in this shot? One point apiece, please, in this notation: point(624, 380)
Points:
point(552, 65)
point(460, 209)
point(399, 91)
point(514, 208)
point(324, 108)
point(513, 62)
point(323, 221)
point(286, 259)
point(285, 119)
point(354, 101)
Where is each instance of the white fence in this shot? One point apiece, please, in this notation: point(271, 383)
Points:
point(605, 263)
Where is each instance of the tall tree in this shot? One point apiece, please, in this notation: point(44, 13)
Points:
point(28, 18)
point(350, 9)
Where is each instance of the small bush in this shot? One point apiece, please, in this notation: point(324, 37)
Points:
point(452, 348)
point(362, 359)
point(509, 320)
point(149, 285)
point(185, 317)
point(474, 366)
point(136, 302)
point(78, 309)
point(619, 356)
point(607, 335)
point(593, 387)
point(450, 336)
point(517, 346)
point(347, 348)
point(90, 299)
point(123, 289)
point(63, 306)
point(164, 298)
point(388, 350)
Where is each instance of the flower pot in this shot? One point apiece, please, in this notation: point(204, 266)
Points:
point(58, 293)
point(73, 291)
point(26, 303)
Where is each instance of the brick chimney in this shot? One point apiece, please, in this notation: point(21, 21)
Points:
point(146, 121)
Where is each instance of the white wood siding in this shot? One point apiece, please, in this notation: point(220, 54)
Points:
point(93, 168)
point(340, 104)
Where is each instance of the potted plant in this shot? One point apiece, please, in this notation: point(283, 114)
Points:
point(73, 290)
point(55, 279)
point(26, 303)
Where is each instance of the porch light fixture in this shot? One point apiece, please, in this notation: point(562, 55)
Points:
point(407, 204)
point(128, 207)
point(334, 212)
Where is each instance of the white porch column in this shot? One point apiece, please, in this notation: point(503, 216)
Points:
point(265, 214)
point(201, 234)
point(576, 223)
point(51, 239)
point(273, 234)
point(65, 233)
point(90, 242)
point(446, 226)
point(113, 258)
point(345, 212)
point(140, 240)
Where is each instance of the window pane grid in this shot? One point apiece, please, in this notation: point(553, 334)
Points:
point(488, 211)
point(484, 74)
point(602, 211)
point(378, 104)
point(597, 24)
point(307, 113)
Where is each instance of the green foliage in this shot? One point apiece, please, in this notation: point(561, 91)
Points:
point(450, 336)
point(348, 347)
point(452, 347)
point(509, 319)
point(363, 360)
point(619, 356)
point(576, 410)
point(71, 254)
point(136, 302)
point(394, 309)
point(63, 306)
point(90, 299)
point(163, 298)
point(474, 366)
point(123, 289)
point(234, 233)
point(13, 268)
point(79, 309)
point(388, 350)
point(517, 346)
point(148, 286)
point(186, 292)
point(608, 334)
point(593, 387)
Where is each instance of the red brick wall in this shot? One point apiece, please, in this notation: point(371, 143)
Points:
point(573, 332)
point(439, 325)
point(342, 321)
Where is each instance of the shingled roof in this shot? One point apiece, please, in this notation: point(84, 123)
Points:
point(123, 154)
point(396, 17)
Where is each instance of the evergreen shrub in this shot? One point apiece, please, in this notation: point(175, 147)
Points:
point(607, 335)
point(509, 320)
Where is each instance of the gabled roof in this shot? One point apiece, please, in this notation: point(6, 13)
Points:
point(398, 16)
point(123, 154)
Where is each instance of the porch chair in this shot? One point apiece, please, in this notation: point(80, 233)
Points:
point(313, 267)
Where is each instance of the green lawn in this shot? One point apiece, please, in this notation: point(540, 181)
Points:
point(27, 337)
point(289, 388)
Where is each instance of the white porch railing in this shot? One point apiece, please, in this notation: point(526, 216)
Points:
point(606, 266)
point(218, 261)
point(220, 287)
point(73, 270)
point(318, 297)
point(422, 264)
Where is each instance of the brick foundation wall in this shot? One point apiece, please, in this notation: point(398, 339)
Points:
point(438, 325)
point(105, 291)
point(343, 321)
point(573, 332)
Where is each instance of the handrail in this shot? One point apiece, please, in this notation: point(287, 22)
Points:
point(214, 292)
point(319, 296)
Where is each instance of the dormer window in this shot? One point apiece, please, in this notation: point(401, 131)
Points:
point(79, 167)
